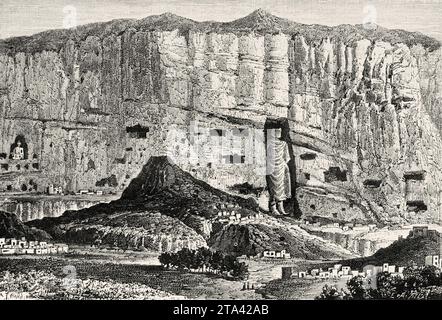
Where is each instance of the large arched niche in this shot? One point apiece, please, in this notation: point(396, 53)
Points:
point(20, 139)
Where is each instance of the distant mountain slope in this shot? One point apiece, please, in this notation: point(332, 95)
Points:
point(258, 21)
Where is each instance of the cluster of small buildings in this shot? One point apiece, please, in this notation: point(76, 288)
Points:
point(52, 189)
point(88, 192)
point(340, 271)
point(275, 254)
point(232, 216)
point(250, 286)
point(227, 214)
point(13, 246)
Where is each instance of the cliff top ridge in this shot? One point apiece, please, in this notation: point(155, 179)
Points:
point(259, 21)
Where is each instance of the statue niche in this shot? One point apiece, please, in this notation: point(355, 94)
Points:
point(278, 173)
point(19, 149)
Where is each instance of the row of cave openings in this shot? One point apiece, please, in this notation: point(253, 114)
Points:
point(24, 187)
point(413, 182)
point(414, 189)
point(229, 158)
point(140, 132)
point(331, 175)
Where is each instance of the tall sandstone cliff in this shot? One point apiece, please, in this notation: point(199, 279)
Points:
point(363, 107)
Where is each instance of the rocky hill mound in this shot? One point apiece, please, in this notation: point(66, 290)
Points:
point(403, 252)
point(275, 234)
point(12, 227)
point(165, 208)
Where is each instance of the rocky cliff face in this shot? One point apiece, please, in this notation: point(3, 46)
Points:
point(362, 107)
point(28, 208)
point(12, 227)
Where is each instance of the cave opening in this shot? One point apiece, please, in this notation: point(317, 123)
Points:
point(240, 132)
point(308, 156)
point(372, 183)
point(414, 175)
point(417, 205)
point(110, 181)
point(137, 132)
point(335, 174)
point(234, 159)
point(216, 132)
point(19, 149)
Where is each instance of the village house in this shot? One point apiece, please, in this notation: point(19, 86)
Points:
point(433, 260)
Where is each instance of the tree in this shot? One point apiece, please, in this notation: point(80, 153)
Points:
point(356, 288)
point(205, 256)
point(217, 260)
point(422, 277)
point(184, 258)
point(239, 270)
point(228, 263)
point(194, 259)
point(166, 259)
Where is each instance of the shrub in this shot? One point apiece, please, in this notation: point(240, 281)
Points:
point(332, 293)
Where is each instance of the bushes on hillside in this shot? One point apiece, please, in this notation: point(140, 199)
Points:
point(211, 261)
point(416, 283)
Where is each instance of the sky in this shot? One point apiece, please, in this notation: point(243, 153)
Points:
point(25, 17)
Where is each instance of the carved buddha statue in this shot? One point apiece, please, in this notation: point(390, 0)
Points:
point(18, 153)
point(278, 173)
